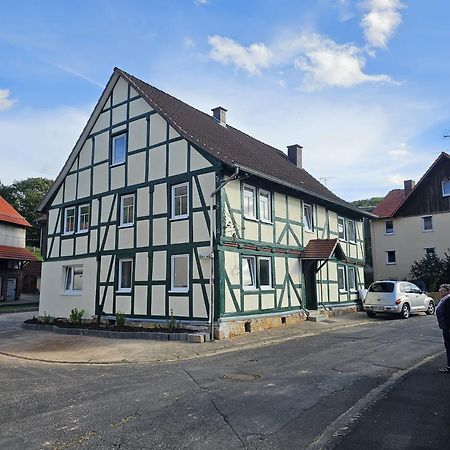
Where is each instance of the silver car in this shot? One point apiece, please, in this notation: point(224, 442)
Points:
point(398, 297)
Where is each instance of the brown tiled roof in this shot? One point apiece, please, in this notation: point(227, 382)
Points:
point(17, 253)
point(322, 249)
point(10, 215)
point(230, 145)
point(390, 203)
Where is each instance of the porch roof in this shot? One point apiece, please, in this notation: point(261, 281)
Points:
point(16, 253)
point(323, 249)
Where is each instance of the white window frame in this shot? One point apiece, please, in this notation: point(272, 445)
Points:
point(344, 238)
point(113, 148)
point(79, 229)
point(306, 227)
point(349, 234)
point(174, 288)
point(265, 286)
point(445, 182)
point(385, 228)
point(74, 219)
point(184, 215)
point(247, 215)
point(265, 194)
point(353, 277)
point(122, 215)
point(252, 287)
point(390, 263)
point(342, 290)
point(120, 288)
point(423, 223)
point(69, 271)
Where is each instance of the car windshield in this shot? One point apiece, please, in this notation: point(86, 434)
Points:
point(382, 287)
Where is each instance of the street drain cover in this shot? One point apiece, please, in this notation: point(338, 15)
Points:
point(328, 321)
point(242, 376)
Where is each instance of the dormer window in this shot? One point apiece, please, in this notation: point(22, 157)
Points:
point(118, 149)
point(446, 188)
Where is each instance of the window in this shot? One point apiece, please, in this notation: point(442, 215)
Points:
point(341, 228)
point(127, 210)
point(84, 217)
point(430, 251)
point(249, 202)
point(180, 203)
point(308, 220)
point(69, 220)
point(351, 231)
point(264, 206)
point(180, 273)
point(125, 275)
point(446, 188)
point(382, 287)
point(390, 257)
point(389, 227)
point(352, 279)
point(73, 279)
point(119, 149)
point(427, 223)
point(342, 282)
point(248, 272)
point(265, 273)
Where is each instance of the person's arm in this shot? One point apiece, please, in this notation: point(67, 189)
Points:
point(446, 301)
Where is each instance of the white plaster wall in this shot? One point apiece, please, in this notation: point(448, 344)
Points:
point(11, 235)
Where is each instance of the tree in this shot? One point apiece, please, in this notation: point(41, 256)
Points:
point(25, 196)
point(430, 269)
point(368, 202)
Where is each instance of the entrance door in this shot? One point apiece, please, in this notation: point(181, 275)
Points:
point(11, 289)
point(309, 272)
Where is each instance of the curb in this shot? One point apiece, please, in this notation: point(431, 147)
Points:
point(146, 335)
point(18, 310)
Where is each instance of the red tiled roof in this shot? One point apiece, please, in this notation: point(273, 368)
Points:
point(322, 249)
point(17, 253)
point(10, 215)
point(390, 203)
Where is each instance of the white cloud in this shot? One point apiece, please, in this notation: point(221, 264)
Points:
point(328, 64)
point(38, 142)
point(5, 101)
point(201, 2)
point(250, 59)
point(381, 21)
point(401, 152)
point(188, 42)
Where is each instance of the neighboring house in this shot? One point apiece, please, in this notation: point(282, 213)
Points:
point(412, 222)
point(131, 213)
point(13, 254)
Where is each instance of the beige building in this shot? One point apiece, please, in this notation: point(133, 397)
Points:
point(155, 190)
point(412, 222)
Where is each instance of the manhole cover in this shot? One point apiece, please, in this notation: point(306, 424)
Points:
point(242, 376)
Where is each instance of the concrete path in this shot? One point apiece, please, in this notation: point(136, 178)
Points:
point(50, 347)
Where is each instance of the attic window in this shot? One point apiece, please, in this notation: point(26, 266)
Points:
point(118, 149)
point(446, 188)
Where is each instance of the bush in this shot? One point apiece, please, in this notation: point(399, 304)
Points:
point(172, 324)
point(120, 319)
point(76, 315)
point(431, 270)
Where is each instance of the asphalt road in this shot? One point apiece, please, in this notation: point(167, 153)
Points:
point(288, 395)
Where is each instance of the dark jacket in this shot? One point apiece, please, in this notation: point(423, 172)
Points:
point(443, 313)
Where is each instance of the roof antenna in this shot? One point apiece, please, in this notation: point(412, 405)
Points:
point(325, 180)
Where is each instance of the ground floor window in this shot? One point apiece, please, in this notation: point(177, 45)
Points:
point(352, 279)
point(73, 279)
point(342, 281)
point(265, 273)
point(125, 275)
point(249, 272)
point(180, 273)
point(252, 266)
point(391, 257)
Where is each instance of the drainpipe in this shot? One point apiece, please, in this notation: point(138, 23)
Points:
point(211, 249)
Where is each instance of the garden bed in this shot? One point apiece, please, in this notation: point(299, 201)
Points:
point(116, 332)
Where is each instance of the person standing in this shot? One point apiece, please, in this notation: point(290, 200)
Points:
point(443, 318)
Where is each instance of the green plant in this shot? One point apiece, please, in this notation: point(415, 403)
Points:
point(120, 319)
point(172, 324)
point(76, 315)
point(46, 318)
point(430, 269)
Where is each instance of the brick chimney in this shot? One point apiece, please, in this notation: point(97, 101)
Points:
point(220, 115)
point(295, 155)
point(409, 186)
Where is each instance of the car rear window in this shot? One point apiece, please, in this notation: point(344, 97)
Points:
point(382, 287)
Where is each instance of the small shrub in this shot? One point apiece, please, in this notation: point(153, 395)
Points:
point(120, 319)
point(76, 315)
point(46, 318)
point(172, 324)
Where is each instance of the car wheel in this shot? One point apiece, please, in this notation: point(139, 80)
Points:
point(370, 313)
point(431, 308)
point(405, 311)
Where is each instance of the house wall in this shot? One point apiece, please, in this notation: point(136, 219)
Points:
point(12, 235)
point(283, 234)
point(409, 242)
point(157, 158)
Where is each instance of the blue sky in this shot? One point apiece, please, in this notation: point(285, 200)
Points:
point(364, 86)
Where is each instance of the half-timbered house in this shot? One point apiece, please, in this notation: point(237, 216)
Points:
point(164, 210)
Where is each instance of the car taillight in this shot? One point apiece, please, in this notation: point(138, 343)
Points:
point(398, 301)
